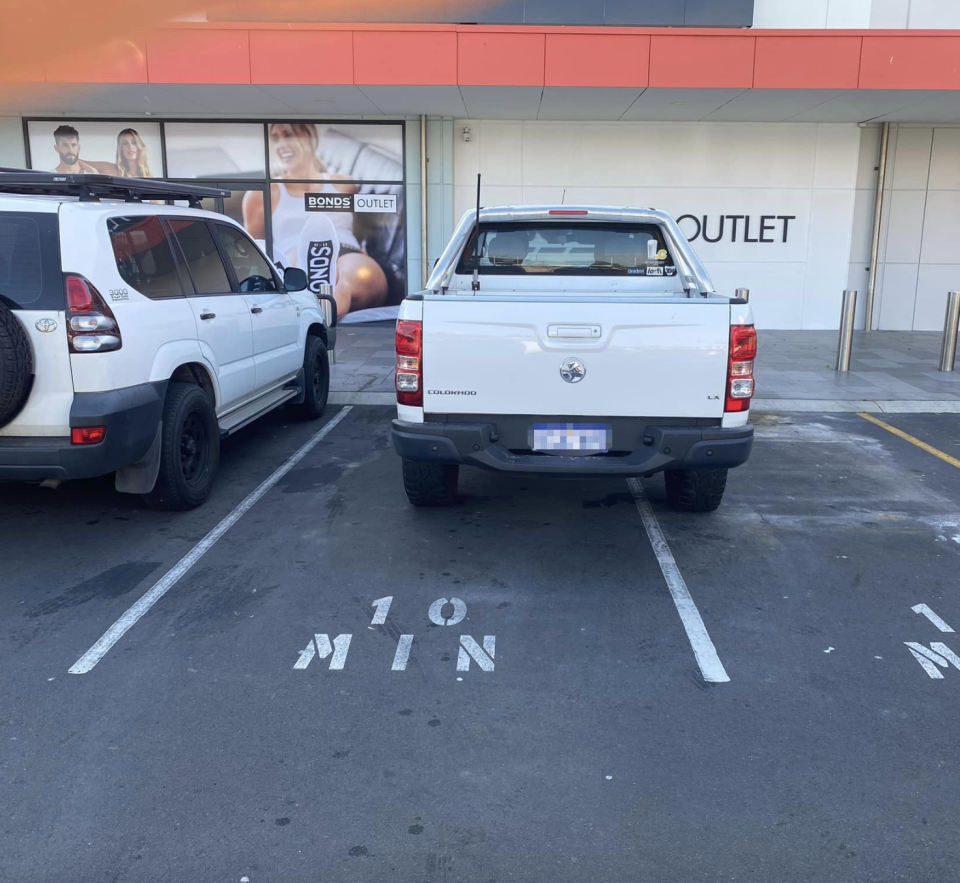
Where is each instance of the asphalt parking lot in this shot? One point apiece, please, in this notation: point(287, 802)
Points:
point(552, 724)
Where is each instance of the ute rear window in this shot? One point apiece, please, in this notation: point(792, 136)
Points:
point(30, 261)
point(571, 249)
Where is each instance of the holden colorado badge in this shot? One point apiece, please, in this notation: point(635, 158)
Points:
point(573, 370)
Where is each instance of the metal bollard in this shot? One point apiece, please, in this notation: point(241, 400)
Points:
point(948, 350)
point(847, 312)
point(744, 293)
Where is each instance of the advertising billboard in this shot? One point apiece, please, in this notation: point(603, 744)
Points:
point(128, 149)
point(327, 197)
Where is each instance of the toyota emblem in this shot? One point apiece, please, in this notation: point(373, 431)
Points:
point(573, 370)
point(46, 325)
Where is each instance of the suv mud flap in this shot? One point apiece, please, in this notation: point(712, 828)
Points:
point(140, 477)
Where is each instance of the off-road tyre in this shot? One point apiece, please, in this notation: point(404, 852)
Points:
point(695, 490)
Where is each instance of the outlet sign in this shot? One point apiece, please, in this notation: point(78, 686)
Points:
point(736, 228)
point(379, 203)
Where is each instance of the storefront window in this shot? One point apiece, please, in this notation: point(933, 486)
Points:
point(215, 150)
point(128, 149)
point(325, 197)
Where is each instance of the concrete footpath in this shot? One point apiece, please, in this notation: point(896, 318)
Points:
point(892, 372)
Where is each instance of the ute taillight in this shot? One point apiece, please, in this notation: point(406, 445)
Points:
point(91, 325)
point(740, 382)
point(409, 377)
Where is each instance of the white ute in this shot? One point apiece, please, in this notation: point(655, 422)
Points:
point(134, 335)
point(573, 341)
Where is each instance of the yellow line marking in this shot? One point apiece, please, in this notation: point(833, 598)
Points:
point(930, 449)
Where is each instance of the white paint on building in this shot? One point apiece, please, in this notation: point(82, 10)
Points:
point(12, 153)
point(805, 170)
point(920, 14)
point(919, 258)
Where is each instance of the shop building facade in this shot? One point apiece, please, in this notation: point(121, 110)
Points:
point(758, 124)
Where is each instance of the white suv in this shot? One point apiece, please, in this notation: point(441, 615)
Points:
point(134, 336)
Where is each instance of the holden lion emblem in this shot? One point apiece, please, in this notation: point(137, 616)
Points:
point(573, 370)
point(46, 325)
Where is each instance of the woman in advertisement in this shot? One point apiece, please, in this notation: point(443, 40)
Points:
point(132, 155)
point(294, 152)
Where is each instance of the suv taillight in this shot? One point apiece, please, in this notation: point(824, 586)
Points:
point(91, 325)
point(410, 363)
point(743, 351)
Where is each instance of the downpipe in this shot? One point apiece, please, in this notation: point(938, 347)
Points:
point(877, 224)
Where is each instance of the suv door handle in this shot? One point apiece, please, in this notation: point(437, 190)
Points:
point(208, 315)
point(256, 309)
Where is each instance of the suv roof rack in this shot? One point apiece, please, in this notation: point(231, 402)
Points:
point(93, 188)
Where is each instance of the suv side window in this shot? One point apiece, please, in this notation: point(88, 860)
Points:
point(144, 256)
point(253, 271)
point(201, 255)
point(30, 261)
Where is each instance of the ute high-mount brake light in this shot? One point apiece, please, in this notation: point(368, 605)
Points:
point(740, 383)
point(409, 377)
point(568, 211)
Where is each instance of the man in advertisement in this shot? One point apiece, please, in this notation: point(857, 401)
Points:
point(66, 142)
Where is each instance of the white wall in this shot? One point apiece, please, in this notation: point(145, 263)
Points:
point(924, 14)
point(440, 219)
point(920, 236)
point(715, 169)
point(12, 154)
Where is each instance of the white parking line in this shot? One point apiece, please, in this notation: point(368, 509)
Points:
point(113, 634)
point(706, 654)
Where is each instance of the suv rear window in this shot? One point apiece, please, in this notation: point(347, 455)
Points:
point(144, 257)
point(30, 275)
point(571, 249)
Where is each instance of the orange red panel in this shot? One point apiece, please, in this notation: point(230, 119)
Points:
point(597, 60)
point(432, 55)
point(120, 61)
point(405, 58)
point(301, 58)
point(909, 62)
point(807, 62)
point(199, 56)
point(498, 59)
point(682, 61)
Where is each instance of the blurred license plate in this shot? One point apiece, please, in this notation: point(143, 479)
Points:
point(571, 438)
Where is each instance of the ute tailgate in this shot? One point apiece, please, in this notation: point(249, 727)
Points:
point(641, 357)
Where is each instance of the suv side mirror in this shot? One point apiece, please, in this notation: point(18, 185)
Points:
point(294, 279)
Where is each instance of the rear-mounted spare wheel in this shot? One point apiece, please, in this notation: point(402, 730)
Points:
point(16, 365)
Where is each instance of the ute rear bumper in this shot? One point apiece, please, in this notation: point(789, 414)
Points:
point(644, 446)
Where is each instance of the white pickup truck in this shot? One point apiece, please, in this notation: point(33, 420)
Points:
point(573, 341)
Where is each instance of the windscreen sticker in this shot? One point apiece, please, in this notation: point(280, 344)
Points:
point(670, 271)
point(662, 254)
point(654, 271)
